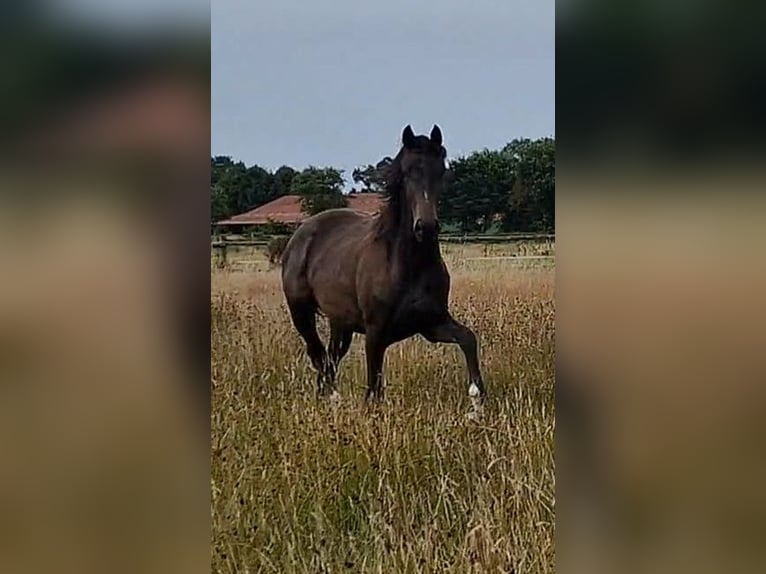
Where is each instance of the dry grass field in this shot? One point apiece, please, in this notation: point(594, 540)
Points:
point(302, 486)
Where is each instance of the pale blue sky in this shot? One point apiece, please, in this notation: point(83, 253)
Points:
point(302, 83)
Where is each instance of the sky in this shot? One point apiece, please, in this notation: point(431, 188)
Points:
point(299, 83)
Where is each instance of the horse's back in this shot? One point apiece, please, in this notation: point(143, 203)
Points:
point(321, 230)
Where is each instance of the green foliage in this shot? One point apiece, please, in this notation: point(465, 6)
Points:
point(274, 228)
point(531, 204)
point(283, 179)
point(512, 189)
point(236, 188)
point(451, 228)
point(479, 187)
point(372, 177)
point(320, 189)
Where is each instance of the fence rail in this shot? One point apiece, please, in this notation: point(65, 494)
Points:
point(222, 245)
point(495, 238)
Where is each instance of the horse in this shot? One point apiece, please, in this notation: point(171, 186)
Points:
point(380, 275)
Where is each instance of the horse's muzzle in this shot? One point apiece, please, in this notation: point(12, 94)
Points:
point(423, 230)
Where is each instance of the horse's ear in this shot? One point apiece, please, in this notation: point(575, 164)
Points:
point(408, 137)
point(436, 135)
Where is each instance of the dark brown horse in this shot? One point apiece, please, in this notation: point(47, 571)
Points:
point(382, 276)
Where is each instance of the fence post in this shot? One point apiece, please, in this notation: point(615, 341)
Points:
point(222, 256)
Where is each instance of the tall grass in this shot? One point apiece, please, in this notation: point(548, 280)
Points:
point(302, 486)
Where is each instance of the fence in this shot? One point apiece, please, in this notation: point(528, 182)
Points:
point(222, 244)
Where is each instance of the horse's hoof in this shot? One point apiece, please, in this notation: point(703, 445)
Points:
point(332, 396)
point(477, 406)
point(373, 404)
point(475, 414)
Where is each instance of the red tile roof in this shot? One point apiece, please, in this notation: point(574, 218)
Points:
point(287, 209)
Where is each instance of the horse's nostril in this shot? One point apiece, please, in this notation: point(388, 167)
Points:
point(419, 225)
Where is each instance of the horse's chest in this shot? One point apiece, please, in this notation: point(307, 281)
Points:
point(421, 302)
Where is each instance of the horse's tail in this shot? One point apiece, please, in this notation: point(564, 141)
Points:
point(276, 258)
point(277, 250)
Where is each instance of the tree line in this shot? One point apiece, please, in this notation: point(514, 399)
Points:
point(511, 189)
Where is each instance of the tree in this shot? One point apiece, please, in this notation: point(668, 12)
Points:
point(260, 190)
point(320, 189)
point(372, 177)
point(532, 201)
point(231, 186)
point(282, 180)
point(477, 191)
point(236, 188)
point(517, 183)
point(220, 203)
point(217, 165)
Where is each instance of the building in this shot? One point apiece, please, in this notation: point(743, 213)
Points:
point(287, 210)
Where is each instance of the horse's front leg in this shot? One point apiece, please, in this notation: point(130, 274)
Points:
point(375, 350)
point(450, 331)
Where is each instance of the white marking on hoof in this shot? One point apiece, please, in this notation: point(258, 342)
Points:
point(477, 409)
point(334, 396)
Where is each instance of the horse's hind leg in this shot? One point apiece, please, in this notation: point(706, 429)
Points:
point(340, 341)
point(304, 319)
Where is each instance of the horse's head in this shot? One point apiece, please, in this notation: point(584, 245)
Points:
point(422, 180)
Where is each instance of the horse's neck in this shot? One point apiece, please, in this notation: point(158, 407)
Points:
point(407, 256)
point(410, 258)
